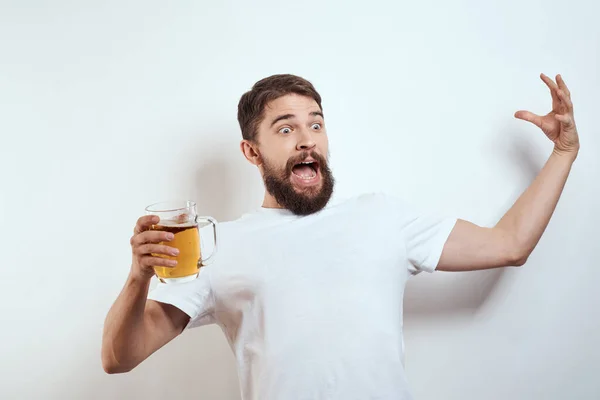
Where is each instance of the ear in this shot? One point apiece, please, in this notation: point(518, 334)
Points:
point(250, 151)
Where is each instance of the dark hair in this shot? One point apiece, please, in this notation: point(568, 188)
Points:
point(251, 107)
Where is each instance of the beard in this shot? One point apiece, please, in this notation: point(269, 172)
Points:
point(300, 202)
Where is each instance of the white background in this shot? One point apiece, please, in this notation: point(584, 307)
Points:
point(109, 106)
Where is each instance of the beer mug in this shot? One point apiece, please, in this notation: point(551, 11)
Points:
point(181, 219)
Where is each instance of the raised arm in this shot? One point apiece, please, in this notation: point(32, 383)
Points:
point(134, 327)
point(513, 238)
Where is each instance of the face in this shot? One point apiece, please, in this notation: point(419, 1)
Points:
point(291, 153)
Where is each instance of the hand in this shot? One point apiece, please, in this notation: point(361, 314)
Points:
point(145, 248)
point(558, 124)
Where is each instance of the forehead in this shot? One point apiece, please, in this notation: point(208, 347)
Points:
point(291, 104)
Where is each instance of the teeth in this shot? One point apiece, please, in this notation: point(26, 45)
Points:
point(306, 178)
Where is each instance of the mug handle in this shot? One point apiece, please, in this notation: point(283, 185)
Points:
point(209, 259)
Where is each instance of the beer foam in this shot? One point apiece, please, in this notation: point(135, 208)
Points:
point(180, 221)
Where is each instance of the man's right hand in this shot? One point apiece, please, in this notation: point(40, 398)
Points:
point(135, 328)
point(145, 246)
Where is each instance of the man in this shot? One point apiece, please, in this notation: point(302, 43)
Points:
point(310, 293)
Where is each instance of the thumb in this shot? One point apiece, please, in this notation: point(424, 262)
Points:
point(530, 117)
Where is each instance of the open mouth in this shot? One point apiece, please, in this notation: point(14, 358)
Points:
point(306, 170)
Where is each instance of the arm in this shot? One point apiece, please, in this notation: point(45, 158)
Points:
point(513, 238)
point(135, 328)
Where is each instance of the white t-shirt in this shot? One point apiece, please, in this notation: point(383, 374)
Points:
point(312, 306)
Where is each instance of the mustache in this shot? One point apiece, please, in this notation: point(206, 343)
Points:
point(322, 161)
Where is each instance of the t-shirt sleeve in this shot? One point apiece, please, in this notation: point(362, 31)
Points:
point(423, 233)
point(195, 298)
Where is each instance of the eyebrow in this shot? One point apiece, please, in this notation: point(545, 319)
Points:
point(292, 116)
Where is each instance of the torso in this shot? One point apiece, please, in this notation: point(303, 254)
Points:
point(313, 306)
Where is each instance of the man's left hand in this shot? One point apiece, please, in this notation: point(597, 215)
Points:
point(558, 124)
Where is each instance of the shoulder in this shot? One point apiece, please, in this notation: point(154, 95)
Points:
point(382, 206)
point(374, 201)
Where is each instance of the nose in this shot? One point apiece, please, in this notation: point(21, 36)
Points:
point(305, 140)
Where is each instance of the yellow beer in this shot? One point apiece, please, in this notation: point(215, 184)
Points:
point(187, 240)
point(182, 220)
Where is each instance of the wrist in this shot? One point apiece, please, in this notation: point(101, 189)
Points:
point(569, 155)
point(139, 278)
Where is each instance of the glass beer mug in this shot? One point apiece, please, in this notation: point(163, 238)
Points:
point(181, 219)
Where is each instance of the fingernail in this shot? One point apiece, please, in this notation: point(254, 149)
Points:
point(175, 252)
point(173, 262)
point(170, 236)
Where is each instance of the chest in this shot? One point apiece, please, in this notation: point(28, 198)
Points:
point(303, 268)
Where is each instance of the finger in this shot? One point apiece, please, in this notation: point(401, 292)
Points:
point(549, 82)
point(145, 223)
point(565, 99)
point(156, 249)
point(565, 119)
point(149, 261)
point(553, 88)
point(151, 237)
point(562, 85)
point(530, 117)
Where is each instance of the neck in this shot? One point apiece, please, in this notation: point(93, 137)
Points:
point(270, 202)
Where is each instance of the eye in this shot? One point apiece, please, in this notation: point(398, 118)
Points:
point(316, 126)
point(285, 131)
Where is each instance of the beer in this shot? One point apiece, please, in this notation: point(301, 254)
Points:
point(187, 240)
point(182, 220)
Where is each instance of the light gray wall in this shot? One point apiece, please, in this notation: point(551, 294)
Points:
point(109, 106)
